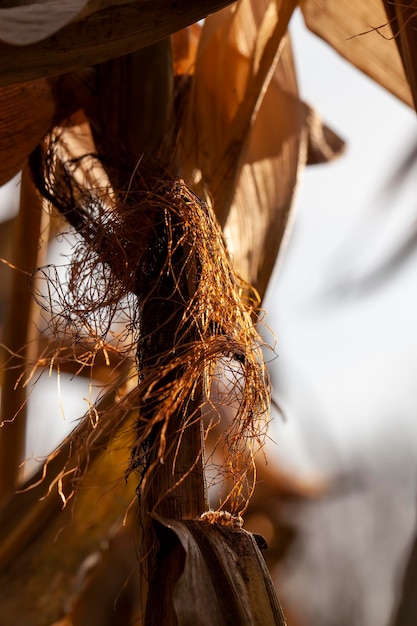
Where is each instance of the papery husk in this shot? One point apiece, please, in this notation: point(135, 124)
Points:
point(273, 161)
point(403, 22)
point(238, 51)
point(103, 30)
point(184, 47)
point(26, 115)
point(280, 133)
point(212, 573)
point(19, 344)
point(361, 33)
point(43, 545)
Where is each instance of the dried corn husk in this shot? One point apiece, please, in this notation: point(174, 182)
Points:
point(224, 579)
point(38, 577)
point(360, 32)
point(282, 136)
point(245, 132)
point(80, 33)
point(26, 114)
point(403, 21)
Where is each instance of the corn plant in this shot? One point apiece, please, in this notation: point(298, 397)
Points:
point(171, 149)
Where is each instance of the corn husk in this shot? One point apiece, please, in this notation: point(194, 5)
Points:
point(224, 579)
point(361, 33)
point(402, 18)
point(49, 38)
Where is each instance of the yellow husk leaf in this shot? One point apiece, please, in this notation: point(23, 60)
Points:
point(276, 154)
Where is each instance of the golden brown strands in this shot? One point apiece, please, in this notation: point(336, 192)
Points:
point(156, 252)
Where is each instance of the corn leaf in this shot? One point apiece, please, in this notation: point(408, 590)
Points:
point(276, 154)
point(42, 544)
point(403, 22)
point(105, 29)
point(235, 136)
point(20, 333)
point(224, 579)
point(360, 32)
point(26, 115)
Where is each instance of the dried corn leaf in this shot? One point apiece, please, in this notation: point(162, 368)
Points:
point(403, 22)
point(323, 144)
point(275, 150)
point(238, 52)
point(20, 333)
point(26, 115)
point(360, 32)
point(39, 577)
point(276, 154)
point(55, 483)
point(91, 32)
point(222, 578)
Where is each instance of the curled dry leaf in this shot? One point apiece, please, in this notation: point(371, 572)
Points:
point(275, 156)
point(221, 576)
point(238, 52)
point(360, 32)
point(323, 143)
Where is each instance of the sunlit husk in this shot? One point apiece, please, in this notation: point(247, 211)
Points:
point(237, 55)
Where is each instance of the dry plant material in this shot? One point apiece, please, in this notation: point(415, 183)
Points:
point(45, 550)
point(20, 332)
point(154, 253)
point(361, 33)
point(223, 579)
point(243, 138)
point(403, 21)
point(38, 40)
point(238, 52)
point(26, 115)
point(157, 253)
